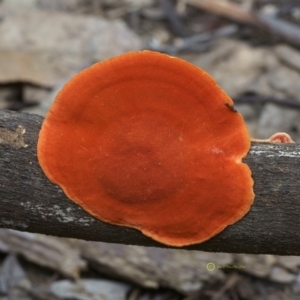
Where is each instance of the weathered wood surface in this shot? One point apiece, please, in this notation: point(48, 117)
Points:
point(30, 202)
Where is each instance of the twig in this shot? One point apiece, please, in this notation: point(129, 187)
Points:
point(199, 42)
point(173, 18)
point(289, 32)
point(173, 49)
point(286, 30)
point(291, 103)
point(229, 283)
point(225, 9)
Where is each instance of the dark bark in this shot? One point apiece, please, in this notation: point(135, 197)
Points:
point(30, 202)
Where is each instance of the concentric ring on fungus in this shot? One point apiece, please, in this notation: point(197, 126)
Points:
point(146, 140)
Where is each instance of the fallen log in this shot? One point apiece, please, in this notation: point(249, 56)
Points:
point(30, 202)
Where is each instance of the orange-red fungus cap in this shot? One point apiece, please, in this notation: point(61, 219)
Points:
point(149, 141)
point(281, 137)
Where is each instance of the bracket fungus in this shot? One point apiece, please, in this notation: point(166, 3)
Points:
point(149, 141)
point(278, 138)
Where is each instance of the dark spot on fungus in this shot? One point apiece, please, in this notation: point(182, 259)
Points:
point(230, 106)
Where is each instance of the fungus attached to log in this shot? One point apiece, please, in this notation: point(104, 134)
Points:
point(279, 138)
point(144, 140)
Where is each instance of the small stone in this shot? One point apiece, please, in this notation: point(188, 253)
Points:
point(288, 55)
point(34, 94)
point(270, 10)
point(11, 274)
point(72, 43)
point(90, 289)
point(275, 118)
point(45, 251)
point(281, 275)
point(257, 265)
point(285, 80)
point(289, 262)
